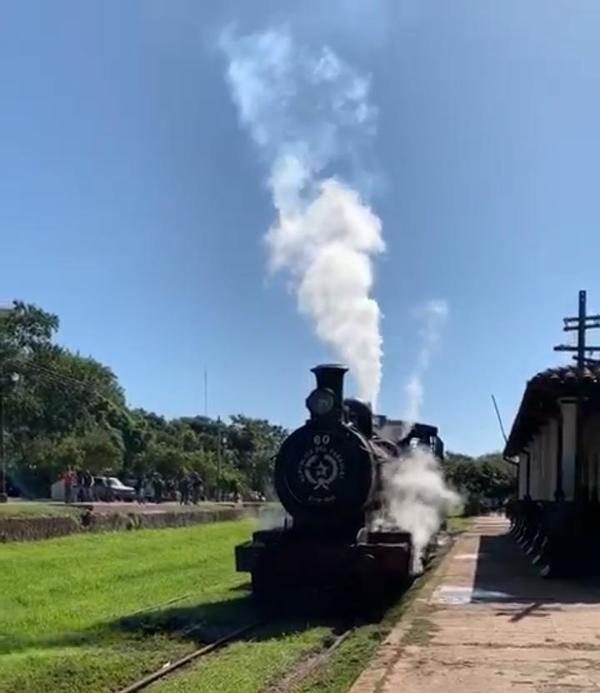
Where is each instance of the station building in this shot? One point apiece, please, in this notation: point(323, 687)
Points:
point(556, 436)
point(556, 440)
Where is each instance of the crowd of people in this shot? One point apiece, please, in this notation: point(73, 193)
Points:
point(79, 485)
point(188, 488)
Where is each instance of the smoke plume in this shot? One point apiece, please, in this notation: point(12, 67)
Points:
point(308, 112)
point(416, 498)
point(272, 516)
point(433, 316)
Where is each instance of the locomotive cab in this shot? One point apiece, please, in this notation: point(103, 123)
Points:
point(328, 478)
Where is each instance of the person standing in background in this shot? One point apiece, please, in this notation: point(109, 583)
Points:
point(184, 489)
point(158, 484)
point(196, 484)
point(80, 477)
point(68, 479)
point(140, 489)
point(88, 483)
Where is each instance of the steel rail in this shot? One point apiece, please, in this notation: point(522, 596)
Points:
point(167, 669)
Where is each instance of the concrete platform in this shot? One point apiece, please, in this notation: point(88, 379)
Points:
point(487, 623)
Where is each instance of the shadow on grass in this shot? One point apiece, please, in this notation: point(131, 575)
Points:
point(205, 623)
point(198, 624)
point(202, 623)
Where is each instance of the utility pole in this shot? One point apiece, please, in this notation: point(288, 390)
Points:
point(5, 311)
point(219, 455)
point(580, 324)
point(499, 419)
point(3, 493)
point(7, 381)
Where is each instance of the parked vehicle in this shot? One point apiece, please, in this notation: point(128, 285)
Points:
point(109, 488)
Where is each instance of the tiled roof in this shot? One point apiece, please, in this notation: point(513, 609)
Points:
point(540, 399)
point(567, 375)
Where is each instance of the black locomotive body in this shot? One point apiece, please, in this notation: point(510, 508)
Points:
point(329, 478)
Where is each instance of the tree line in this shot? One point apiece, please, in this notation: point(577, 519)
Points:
point(62, 409)
point(483, 482)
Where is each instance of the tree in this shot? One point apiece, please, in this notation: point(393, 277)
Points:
point(27, 328)
point(101, 453)
point(69, 410)
point(255, 443)
point(485, 479)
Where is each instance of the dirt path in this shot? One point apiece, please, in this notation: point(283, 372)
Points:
point(486, 623)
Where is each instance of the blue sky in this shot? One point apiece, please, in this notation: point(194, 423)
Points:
point(133, 204)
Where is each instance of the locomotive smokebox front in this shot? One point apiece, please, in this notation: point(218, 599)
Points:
point(324, 472)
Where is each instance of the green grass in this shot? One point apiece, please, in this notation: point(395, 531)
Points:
point(246, 667)
point(25, 508)
point(95, 612)
point(340, 671)
point(459, 524)
point(68, 606)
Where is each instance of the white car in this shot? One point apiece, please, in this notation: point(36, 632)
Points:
point(111, 488)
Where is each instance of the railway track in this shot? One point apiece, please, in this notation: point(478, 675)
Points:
point(307, 666)
point(145, 681)
point(290, 680)
point(294, 677)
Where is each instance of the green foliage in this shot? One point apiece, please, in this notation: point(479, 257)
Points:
point(69, 410)
point(101, 451)
point(484, 480)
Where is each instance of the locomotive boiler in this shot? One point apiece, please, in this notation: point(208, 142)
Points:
point(329, 476)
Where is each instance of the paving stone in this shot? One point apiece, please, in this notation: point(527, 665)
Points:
point(489, 624)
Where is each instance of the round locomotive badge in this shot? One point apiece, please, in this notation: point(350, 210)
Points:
point(320, 467)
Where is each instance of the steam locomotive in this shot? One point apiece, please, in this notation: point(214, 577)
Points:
point(329, 477)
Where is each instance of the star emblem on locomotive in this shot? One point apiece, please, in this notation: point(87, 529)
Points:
point(322, 465)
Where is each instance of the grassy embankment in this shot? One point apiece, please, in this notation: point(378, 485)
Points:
point(95, 612)
point(88, 612)
point(35, 508)
point(458, 523)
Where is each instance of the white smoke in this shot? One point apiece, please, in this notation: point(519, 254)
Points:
point(307, 112)
point(415, 498)
point(433, 315)
point(272, 516)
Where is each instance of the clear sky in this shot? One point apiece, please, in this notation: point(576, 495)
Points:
point(133, 204)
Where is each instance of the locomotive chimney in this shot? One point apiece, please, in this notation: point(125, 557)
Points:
point(331, 376)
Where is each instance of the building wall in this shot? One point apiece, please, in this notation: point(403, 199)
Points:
point(543, 449)
point(591, 452)
point(522, 475)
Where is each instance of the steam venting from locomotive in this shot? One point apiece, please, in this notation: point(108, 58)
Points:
point(307, 112)
point(433, 316)
point(415, 497)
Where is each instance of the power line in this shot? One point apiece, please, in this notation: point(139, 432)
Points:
point(65, 379)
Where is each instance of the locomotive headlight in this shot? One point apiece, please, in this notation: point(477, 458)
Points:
point(320, 402)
